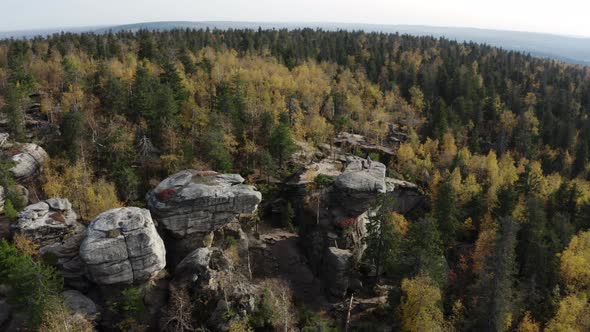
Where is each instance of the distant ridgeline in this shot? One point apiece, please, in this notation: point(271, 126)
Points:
point(564, 48)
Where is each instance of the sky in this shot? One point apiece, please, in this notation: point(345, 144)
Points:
point(566, 17)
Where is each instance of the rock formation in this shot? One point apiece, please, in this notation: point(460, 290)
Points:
point(336, 271)
point(122, 246)
point(47, 222)
point(190, 205)
point(407, 195)
point(351, 142)
point(65, 256)
point(28, 161)
point(201, 202)
point(201, 267)
point(277, 254)
point(78, 303)
point(359, 184)
point(337, 238)
point(52, 225)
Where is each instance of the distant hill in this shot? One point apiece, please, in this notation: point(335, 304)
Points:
point(564, 48)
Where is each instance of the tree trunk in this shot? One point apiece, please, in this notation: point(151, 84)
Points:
point(318, 210)
point(379, 248)
point(348, 314)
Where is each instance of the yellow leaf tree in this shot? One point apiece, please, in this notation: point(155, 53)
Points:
point(89, 196)
point(420, 309)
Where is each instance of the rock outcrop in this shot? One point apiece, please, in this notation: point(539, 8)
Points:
point(65, 256)
point(28, 161)
point(277, 254)
point(201, 202)
point(78, 303)
point(351, 142)
point(190, 205)
point(201, 267)
point(340, 212)
point(407, 195)
point(52, 225)
point(336, 270)
point(211, 280)
point(47, 222)
point(359, 184)
point(122, 246)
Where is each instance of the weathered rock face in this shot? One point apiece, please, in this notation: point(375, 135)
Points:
point(190, 205)
point(201, 267)
point(65, 255)
point(277, 254)
point(52, 224)
point(204, 273)
point(407, 195)
point(201, 202)
point(47, 222)
point(350, 142)
point(122, 246)
point(28, 161)
point(336, 270)
point(359, 184)
point(80, 304)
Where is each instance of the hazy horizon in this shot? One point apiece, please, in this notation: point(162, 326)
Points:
point(85, 28)
point(567, 19)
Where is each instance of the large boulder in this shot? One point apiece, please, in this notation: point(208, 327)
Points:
point(359, 184)
point(211, 280)
point(201, 202)
point(80, 304)
point(336, 271)
point(122, 246)
point(190, 205)
point(47, 222)
point(201, 267)
point(28, 161)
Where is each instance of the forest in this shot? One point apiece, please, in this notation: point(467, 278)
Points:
point(497, 141)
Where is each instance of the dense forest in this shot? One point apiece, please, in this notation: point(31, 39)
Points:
point(497, 140)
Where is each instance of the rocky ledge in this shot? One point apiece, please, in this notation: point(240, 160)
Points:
point(47, 222)
point(201, 202)
point(28, 161)
point(359, 184)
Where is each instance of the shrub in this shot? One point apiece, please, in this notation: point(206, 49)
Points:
point(241, 325)
point(274, 307)
point(89, 196)
point(9, 210)
point(34, 288)
point(322, 180)
point(60, 319)
point(287, 216)
point(25, 246)
point(312, 322)
point(130, 308)
point(374, 156)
